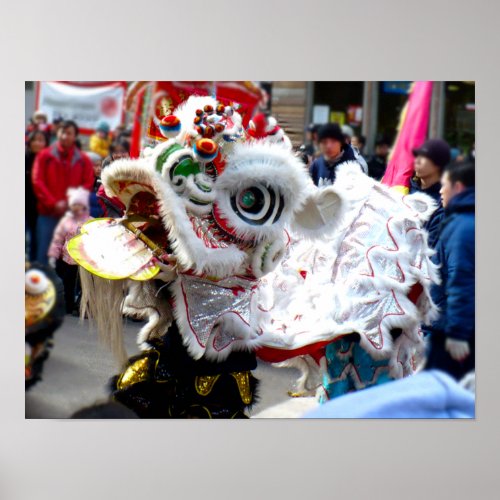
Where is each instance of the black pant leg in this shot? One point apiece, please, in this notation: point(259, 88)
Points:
point(440, 359)
point(68, 275)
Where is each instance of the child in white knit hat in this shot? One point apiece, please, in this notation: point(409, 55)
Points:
point(69, 226)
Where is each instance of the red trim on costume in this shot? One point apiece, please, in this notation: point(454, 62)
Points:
point(276, 355)
point(415, 292)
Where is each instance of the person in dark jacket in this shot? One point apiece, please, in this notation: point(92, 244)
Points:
point(430, 160)
point(453, 333)
point(334, 152)
point(95, 208)
point(309, 149)
point(378, 162)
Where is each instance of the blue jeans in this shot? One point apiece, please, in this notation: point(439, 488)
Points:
point(45, 226)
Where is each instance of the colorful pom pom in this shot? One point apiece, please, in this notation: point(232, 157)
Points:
point(209, 132)
point(170, 126)
point(219, 127)
point(206, 150)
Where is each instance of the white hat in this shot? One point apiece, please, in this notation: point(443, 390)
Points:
point(78, 196)
point(39, 114)
point(94, 156)
point(346, 130)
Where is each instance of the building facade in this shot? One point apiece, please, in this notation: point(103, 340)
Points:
point(373, 109)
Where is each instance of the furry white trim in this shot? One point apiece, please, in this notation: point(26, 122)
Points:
point(423, 205)
point(155, 152)
point(266, 256)
point(190, 251)
point(186, 113)
point(142, 302)
point(272, 169)
point(137, 173)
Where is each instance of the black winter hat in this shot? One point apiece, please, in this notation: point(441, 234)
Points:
point(331, 131)
point(436, 150)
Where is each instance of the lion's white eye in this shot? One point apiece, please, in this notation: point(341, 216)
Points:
point(258, 205)
point(35, 282)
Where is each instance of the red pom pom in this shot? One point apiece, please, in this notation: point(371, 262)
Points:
point(170, 121)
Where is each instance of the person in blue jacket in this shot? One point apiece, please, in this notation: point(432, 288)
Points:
point(452, 340)
point(430, 160)
point(334, 151)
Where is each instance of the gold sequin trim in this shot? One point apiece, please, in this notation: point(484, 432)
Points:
point(136, 372)
point(243, 381)
point(205, 383)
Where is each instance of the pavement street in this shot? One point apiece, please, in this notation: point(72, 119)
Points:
point(79, 367)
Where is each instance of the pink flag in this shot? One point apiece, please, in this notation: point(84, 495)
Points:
point(411, 134)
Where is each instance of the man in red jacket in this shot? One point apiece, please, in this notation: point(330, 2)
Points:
point(60, 166)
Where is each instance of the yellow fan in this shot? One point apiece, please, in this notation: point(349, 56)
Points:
point(115, 249)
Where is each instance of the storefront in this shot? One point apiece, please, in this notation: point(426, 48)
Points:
point(340, 102)
point(459, 115)
point(373, 109)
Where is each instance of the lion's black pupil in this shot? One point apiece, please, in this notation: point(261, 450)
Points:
point(251, 200)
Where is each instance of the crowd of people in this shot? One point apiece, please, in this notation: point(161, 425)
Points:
point(63, 190)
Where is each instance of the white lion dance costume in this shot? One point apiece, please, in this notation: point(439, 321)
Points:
point(205, 219)
point(357, 293)
point(197, 251)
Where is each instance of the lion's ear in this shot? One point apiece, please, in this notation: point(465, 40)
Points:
point(318, 213)
point(328, 203)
